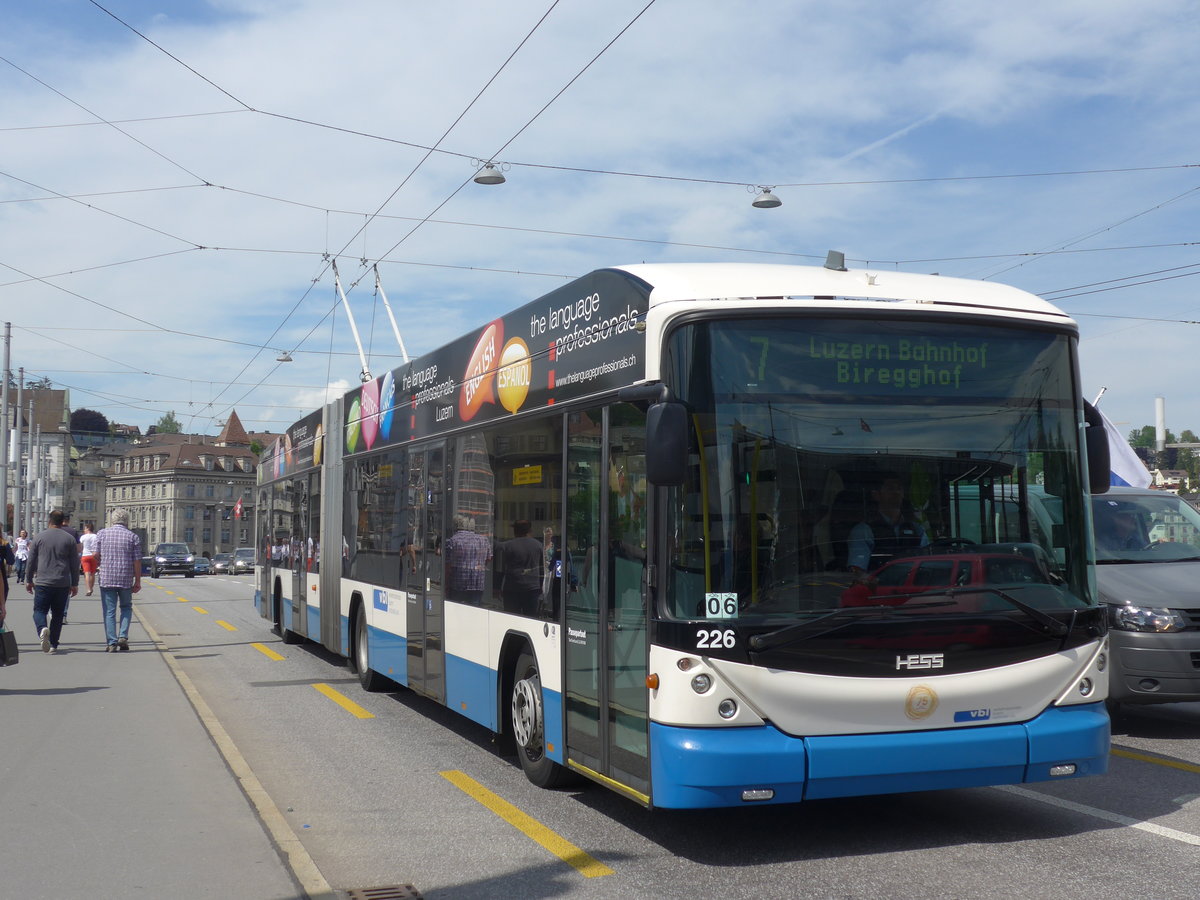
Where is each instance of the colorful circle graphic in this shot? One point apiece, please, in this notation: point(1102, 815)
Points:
point(387, 406)
point(353, 426)
point(514, 375)
point(370, 412)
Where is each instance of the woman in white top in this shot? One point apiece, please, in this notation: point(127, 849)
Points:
point(21, 551)
point(88, 557)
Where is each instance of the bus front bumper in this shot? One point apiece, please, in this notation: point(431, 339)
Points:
point(694, 768)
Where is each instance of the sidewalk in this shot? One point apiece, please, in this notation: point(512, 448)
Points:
point(110, 786)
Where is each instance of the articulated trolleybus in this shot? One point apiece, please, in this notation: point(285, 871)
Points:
point(712, 535)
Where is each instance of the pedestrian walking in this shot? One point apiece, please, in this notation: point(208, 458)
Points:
point(21, 551)
point(120, 577)
point(88, 561)
point(7, 557)
point(66, 526)
point(52, 576)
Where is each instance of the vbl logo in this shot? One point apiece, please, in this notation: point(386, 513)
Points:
point(972, 715)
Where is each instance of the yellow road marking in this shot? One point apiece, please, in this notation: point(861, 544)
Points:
point(226, 625)
point(201, 610)
point(1157, 760)
point(344, 702)
point(266, 651)
point(183, 600)
point(587, 866)
point(165, 591)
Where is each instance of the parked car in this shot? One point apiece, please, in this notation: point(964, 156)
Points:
point(1147, 571)
point(894, 582)
point(202, 566)
point(222, 563)
point(243, 561)
point(977, 579)
point(173, 559)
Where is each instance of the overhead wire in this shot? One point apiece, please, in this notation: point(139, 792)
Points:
point(1032, 255)
point(1115, 280)
point(528, 123)
point(106, 212)
point(1096, 231)
point(103, 120)
point(380, 208)
point(137, 121)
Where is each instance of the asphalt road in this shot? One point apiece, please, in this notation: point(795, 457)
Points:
point(386, 789)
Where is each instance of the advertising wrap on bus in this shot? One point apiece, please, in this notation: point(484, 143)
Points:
point(573, 342)
point(300, 448)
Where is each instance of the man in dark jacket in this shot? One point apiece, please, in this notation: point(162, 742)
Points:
point(52, 576)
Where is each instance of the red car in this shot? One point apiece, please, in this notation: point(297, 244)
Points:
point(895, 582)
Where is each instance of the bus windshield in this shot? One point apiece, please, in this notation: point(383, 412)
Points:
point(873, 463)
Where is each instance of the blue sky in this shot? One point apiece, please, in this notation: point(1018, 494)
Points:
point(110, 296)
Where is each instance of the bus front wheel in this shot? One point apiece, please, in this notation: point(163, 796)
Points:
point(529, 727)
point(367, 677)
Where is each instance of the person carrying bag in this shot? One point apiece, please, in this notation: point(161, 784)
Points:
point(9, 654)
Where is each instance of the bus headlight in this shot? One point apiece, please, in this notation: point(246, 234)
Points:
point(1129, 617)
point(727, 709)
point(701, 683)
point(1086, 687)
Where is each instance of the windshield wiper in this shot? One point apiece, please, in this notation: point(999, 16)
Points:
point(804, 630)
point(1052, 626)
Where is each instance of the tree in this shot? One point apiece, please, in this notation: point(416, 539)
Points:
point(168, 424)
point(1144, 437)
point(90, 421)
point(1188, 460)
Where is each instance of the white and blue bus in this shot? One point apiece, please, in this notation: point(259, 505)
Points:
point(714, 535)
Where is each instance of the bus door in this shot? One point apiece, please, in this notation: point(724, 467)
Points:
point(607, 702)
point(299, 539)
point(425, 498)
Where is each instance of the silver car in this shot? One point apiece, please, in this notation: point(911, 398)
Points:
point(243, 561)
point(1148, 572)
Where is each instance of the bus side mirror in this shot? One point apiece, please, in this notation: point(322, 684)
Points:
point(666, 444)
point(1098, 458)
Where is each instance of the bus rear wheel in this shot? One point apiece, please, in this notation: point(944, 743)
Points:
point(287, 636)
point(367, 677)
point(529, 727)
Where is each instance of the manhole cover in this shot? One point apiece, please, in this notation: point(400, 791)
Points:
point(388, 892)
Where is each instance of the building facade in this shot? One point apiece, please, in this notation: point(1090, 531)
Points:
point(189, 489)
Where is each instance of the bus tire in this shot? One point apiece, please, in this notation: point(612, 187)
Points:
point(367, 677)
point(529, 727)
point(288, 637)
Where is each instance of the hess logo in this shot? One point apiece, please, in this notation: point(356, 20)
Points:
point(921, 661)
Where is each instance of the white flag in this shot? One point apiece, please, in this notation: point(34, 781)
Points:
point(1126, 468)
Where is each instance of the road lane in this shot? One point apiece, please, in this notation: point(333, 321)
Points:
point(378, 810)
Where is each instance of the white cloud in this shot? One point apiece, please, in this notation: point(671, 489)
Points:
point(777, 93)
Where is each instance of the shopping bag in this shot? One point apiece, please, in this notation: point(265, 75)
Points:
point(9, 655)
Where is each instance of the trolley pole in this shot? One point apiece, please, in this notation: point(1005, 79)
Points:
point(19, 520)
